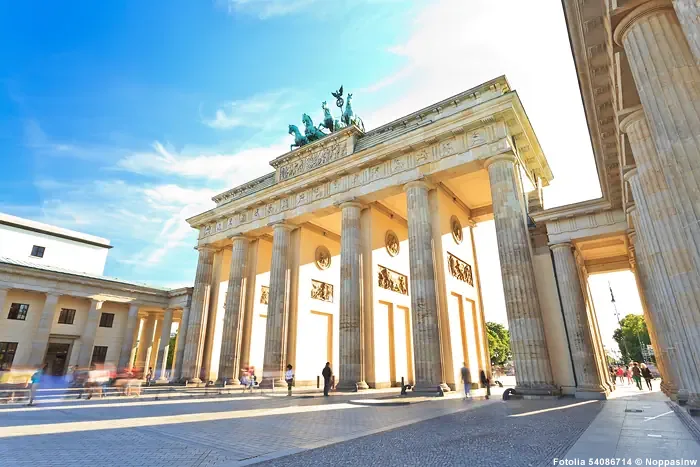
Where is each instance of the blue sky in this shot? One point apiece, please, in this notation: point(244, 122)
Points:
point(122, 119)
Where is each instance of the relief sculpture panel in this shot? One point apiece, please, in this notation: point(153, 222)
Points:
point(460, 269)
point(321, 291)
point(392, 280)
point(264, 294)
point(312, 161)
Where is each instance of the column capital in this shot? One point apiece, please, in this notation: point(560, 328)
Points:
point(633, 115)
point(630, 174)
point(418, 184)
point(206, 248)
point(283, 226)
point(555, 246)
point(96, 303)
point(634, 15)
point(53, 295)
point(351, 203)
point(239, 238)
point(631, 209)
point(509, 156)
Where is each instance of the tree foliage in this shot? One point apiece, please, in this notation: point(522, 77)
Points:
point(171, 351)
point(499, 343)
point(631, 336)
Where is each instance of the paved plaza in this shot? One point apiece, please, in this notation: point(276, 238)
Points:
point(374, 428)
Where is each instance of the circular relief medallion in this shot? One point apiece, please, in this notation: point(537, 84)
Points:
point(457, 233)
point(391, 241)
point(323, 258)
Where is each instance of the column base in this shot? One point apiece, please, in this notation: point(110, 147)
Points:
point(537, 392)
point(430, 388)
point(591, 394)
point(229, 382)
point(268, 383)
point(352, 387)
point(195, 381)
point(162, 380)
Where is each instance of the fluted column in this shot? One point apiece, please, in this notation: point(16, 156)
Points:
point(688, 12)
point(351, 369)
point(132, 322)
point(41, 335)
point(589, 384)
point(145, 343)
point(164, 345)
point(194, 346)
point(274, 361)
point(527, 340)
point(670, 304)
point(87, 338)
point(230, 359)
point(667, 80)
point(424, 307)
point(153, 351)
point(181, 340)
point(647, 297)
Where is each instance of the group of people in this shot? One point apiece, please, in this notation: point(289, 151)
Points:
point(633, 372)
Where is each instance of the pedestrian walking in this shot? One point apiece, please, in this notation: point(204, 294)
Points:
point(629, 375)
point(646, 374)
point(289, 378)
point(35, 380)
point(636, 375)
point(149, 376)
point(327, 373)
point(486, 382)
point(620, 374)
point(466, 379)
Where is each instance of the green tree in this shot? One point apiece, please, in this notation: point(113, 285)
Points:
point(171, 351)
point(499, 343)
point(631, 336)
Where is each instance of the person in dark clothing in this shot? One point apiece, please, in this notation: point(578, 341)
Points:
point(327, 373)
point(637, 375)
point(646, 374)
point(486, 382)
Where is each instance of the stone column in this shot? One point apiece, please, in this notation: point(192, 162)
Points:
point(132, 322)
point(274, 361)
point(230, 358)
point(41, 335)
point(181, 339)
point(670, 305)
point(688, 12)
point(424, 306)
point(589, 384)
point(527, 340)
point(145, 343)
point(667, 78)
point(87, 338)
point(153, 350)
point(194, 346)
point(351, 365)
point(249, 303)
point(3, 297)
point(164, 345)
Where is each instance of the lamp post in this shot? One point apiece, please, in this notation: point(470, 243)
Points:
point(619, 322)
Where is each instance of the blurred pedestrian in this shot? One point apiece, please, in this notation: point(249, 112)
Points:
point(629, 375)
point(620, 374)
point(636, 375)
point(34, 382)
point(289, 378)
point(646, 374)
point(327, 373)
point(486, 382)
point(466, 380)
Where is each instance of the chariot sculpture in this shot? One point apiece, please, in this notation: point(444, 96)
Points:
point(330, 125)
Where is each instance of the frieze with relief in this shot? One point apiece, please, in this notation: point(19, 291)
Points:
point(323, 258)
point(459, 269)
point(307, 163)
point(264, 294)
point(321, 291)
point(392, 280)
point(391, 241)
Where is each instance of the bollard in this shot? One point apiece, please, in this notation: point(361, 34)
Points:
point(318, 382)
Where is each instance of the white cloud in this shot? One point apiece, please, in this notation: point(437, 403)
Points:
point(258, 111)
point(268, 8)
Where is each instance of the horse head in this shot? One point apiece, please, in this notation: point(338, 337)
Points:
point(306, 120)
point(324, 105)
point(347, 99)
point(293, 129)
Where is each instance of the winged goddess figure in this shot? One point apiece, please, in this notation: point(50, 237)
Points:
point(339, 97)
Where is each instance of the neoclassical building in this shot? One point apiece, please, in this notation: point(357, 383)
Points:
point(358, 249)
point(57, 307)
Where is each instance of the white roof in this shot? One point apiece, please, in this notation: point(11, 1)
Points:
point(47, 229)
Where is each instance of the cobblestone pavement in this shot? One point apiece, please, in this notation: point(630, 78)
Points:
point(513, 433)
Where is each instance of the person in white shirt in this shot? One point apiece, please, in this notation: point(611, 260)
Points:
point(289, 378)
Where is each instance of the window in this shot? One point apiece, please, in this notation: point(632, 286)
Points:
point(18, 311)
point(67, 316)
point(7, 354)
point(38, 251)
point(99, 354)
point(106, 320)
